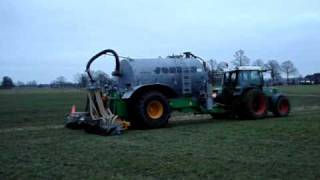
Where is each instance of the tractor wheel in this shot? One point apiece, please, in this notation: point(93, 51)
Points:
point(151, 110)
point(254, 105)
point(281, 107)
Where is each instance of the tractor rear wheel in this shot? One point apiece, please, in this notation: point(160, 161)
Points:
point(254, 105)
point(151, 110)
point(281, 107)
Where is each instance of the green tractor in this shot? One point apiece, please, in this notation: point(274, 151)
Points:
point(244, 95)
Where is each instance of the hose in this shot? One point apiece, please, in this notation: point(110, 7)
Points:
point(116, 72)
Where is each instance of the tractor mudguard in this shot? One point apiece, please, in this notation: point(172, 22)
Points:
point(275, 97)
point(129, 93)
point(279, 105)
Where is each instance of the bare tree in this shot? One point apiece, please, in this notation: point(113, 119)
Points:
point(289, 69)
point(82, 80)
point(212, 69)
point(20, 83)
point(213, 65)
point(222, 66)
point(275, 69)
point(32, 83)
point(59, 82)
point(101, 78)
point(258, 62)
point(240, 59)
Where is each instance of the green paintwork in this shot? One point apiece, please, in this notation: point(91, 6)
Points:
point(186, 104)
point(217, 110)
point(121, 108)
point(183, 103)
point(117, 105)
point(270, 91)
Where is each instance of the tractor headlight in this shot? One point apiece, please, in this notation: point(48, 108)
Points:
point(214, 95)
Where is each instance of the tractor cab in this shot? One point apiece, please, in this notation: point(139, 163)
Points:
point(244, 77)
point(238, 81)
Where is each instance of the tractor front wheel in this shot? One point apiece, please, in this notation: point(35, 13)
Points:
point(281, 107)
point(151, 110)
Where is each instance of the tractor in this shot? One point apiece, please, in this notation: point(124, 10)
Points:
point(144, 92)
point(244, 95)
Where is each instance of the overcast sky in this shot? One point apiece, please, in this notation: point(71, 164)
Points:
point(41, 40)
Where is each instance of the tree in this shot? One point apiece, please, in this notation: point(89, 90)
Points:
point(289, 69)
point(60, 81)
point(213, 65)
point(20, 83)
point(258, 62)
point(240, 59)
point(82, 79)
point(7, 82)
point(32, 83)
point(275, 69)
point(101, 78)
point(222, 66)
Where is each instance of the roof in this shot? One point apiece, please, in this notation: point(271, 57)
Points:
point(249, 68)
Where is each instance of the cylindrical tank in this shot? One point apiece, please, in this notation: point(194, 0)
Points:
point(167, 71)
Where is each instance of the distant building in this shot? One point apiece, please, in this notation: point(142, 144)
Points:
point(314, 79)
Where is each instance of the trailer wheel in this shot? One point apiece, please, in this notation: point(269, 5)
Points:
point(151, 110)
point(281, 107)
point(254, 105)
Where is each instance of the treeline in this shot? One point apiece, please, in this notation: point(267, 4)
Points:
point(80, 80)
point(283, 72)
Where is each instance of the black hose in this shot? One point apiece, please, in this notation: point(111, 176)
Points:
point(116, 72)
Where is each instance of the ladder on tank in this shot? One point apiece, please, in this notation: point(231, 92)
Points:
point(186, 80)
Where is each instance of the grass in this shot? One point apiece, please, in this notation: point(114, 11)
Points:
point(31, 107)
point(301, 90)
point(272, 148)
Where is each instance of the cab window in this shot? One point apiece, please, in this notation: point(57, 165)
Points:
point(244, 76)
point(233, 77)
point(255, 77)
point(230, 78)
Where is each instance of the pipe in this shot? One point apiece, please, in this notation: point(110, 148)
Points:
point(116, 72)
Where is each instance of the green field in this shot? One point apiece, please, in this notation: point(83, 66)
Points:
point(34, 145)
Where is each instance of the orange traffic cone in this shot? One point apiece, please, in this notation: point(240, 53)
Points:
point(73, 109)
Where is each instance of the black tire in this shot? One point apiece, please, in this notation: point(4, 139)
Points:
point(281, 107)
point(143, 117)
point(73, 125)
point(254, 105)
